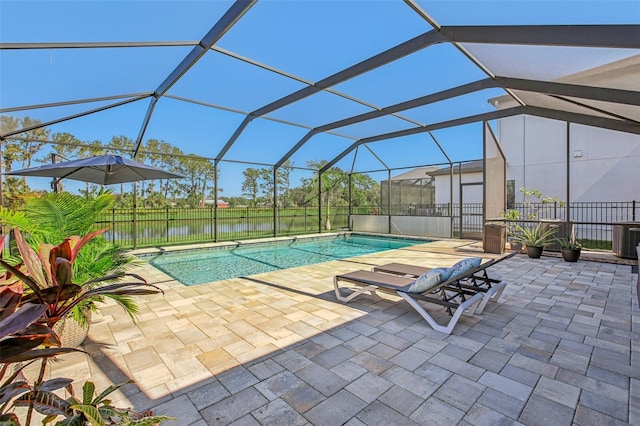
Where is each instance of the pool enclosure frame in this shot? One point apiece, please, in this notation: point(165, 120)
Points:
point(600, 36)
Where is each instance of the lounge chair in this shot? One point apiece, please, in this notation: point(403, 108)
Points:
point(476, 279)
point(449, 293)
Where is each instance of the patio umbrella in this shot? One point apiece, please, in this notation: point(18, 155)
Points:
point(103, 170)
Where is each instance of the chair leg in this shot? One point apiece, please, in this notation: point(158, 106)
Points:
point(469, 304)
point(491, 294)
point(370, 288)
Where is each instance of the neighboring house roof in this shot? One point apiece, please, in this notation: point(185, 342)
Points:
point(417, 173)
point(469, 167)
point(621, 74)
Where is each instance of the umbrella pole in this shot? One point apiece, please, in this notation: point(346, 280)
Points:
point(135, 214)
point(55, 182)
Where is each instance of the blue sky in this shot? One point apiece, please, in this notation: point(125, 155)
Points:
point(308, 39)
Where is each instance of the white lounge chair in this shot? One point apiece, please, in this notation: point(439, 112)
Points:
point(476, 279)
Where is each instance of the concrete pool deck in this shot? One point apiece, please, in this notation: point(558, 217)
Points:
point(561, 347)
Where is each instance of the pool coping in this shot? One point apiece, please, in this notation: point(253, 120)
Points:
point(150, 251)
point(150, 254)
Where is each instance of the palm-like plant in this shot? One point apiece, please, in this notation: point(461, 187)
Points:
point(48, 274)
point(53, 217)
point(569, 244)
point(532, 236)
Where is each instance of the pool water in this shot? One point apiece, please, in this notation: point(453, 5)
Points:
point(202, 266)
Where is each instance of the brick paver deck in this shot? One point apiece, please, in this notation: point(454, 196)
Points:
point(561, 347)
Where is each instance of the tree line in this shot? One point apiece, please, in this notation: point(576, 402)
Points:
point(258, 187)
point(29, 149)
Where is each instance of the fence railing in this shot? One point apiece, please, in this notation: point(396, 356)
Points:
point(592, 221)
point(135, 228)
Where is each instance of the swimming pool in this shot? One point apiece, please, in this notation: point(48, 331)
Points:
point(202, 266)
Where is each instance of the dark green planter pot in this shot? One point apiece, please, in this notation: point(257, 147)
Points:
point(570, 255)
point(534, 252)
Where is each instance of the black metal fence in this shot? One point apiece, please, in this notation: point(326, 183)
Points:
point(592, 221)
point(134, 228)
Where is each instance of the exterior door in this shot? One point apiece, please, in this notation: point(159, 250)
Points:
point(470, 212)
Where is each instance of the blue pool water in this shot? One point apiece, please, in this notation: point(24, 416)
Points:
point(202, 266)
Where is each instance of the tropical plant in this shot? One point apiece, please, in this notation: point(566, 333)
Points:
point(48, 275)
point(533, 203)
point(35, 295)
point(569, 243)
point(570, 248)
point(532, 236)
point(21, 341)
point(92, 409)
point(511, 216)
point(51, 218)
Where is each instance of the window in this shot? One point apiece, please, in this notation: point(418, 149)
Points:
point(511, 194)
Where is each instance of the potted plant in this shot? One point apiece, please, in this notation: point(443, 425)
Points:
point(511, 217)
point(48, 276)
point(533, 238)
point(48, 220)
point(570, 249)
point(35, 294)
point(533, 203)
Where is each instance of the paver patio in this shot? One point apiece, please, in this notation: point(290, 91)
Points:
point(561, 347)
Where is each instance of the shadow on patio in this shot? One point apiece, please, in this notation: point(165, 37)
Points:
point(561, 347)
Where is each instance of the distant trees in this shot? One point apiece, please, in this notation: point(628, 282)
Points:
point(257, 187)
point(199, 174)
point(66, 147)
point(251, 185)
point(18, 149)
point(334, 187)
point(27, 149)
point(237, 201)
point(365, 191)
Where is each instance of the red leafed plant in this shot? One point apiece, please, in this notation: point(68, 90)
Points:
point(34, 295)
point(48, 276)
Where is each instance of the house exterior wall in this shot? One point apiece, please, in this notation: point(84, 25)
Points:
point(471, 193)
point(604, 165)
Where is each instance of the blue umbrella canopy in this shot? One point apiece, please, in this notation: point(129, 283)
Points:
point(103, 170)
